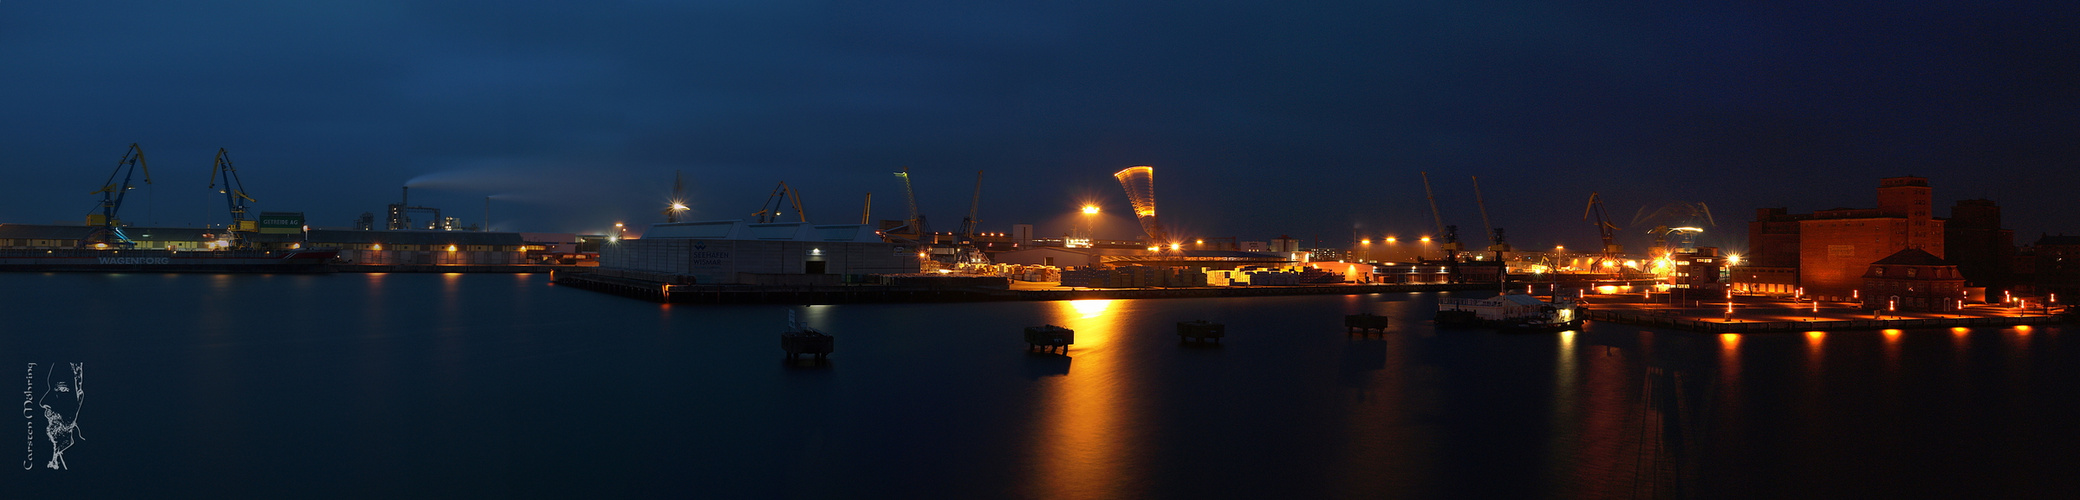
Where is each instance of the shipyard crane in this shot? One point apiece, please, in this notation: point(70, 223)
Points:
point(671, 212)
point(110, 230)
point(1683, 216)
point(1449, 234)
point(1496, 243)
point(234, 197)
point(968, 224)
point(1604, 227)
point(914, 225)
point(770, 211)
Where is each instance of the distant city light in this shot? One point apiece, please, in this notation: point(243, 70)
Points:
point(1366, 241)
point(1391, 239)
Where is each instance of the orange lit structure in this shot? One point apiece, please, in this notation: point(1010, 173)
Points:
point(1912, 280)
point(1828, 251)
point(1140, 183)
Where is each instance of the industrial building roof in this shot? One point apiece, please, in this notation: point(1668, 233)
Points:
point(352, 236)
point(1913, 257)
point(41, 232)
point(764, 231)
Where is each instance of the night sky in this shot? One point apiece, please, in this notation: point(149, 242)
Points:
point(1310, 119)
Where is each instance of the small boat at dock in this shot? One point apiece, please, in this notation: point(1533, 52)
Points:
point(1511, 312)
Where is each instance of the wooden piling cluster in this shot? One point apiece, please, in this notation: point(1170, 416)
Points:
point(807, 341)
point(1365, 323)
point(1201, 330)
point(1049, 338)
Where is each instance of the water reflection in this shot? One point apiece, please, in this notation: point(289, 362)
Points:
point(1088, 309)
point(1892, 336)
point(1084, 437)
point(1729, 366)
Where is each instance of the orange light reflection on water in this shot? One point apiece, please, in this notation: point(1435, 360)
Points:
point(1083, 438)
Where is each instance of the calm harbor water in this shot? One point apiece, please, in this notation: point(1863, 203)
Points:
point(427, 385)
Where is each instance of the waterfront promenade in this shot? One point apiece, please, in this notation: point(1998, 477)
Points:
point(1745, 314)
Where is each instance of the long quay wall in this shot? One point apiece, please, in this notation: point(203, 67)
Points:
point(661, 291)
point(1680, 323)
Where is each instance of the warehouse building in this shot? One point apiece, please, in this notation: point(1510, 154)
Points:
point(354, 246)
point(739, 252)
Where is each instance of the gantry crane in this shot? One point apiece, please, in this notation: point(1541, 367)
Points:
point(234, 197)
point(1604, 227)
point(109, 230)
point(771, 211)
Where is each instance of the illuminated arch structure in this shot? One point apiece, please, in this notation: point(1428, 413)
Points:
point(1140, 183)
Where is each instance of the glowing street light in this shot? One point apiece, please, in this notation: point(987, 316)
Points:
point(1090, 209)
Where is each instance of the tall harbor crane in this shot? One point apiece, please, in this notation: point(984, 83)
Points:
point(771, 210)
point(109, 230)
point(1496, 243)
point(234, 197)
point(1449, 235)
point(1604, 227)
point(968, 224)
point(913, 228)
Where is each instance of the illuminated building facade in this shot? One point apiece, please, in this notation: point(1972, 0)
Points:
point(1912, 280)
point(1834, 248)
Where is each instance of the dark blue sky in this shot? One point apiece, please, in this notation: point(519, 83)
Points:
point(1260, 118)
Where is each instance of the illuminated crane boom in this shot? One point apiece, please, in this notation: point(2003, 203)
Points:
point(1495, 240)
point(110, 230)
point(914, 224)
point(1604, 227)
point(770, 210)
point(968, 224)
point(234, 197)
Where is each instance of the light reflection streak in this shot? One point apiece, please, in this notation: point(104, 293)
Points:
point(1815, 341)
point(1892, 336)
point(1084, 437)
